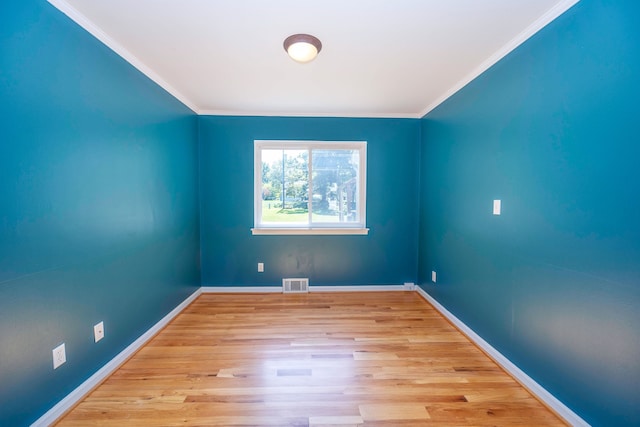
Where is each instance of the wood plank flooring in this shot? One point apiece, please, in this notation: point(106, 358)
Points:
point(319, 359)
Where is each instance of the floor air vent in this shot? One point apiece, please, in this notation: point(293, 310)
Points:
point(291, 286)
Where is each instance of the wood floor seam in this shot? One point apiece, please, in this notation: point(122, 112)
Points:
point(334, 359)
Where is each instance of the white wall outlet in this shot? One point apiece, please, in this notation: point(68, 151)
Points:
point(98, 331)
point(433, 276)
point(497, 207)
point(261, 267)
point(409, 286)
point(59, 356)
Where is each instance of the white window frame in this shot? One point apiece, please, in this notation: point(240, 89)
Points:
point(311, 228)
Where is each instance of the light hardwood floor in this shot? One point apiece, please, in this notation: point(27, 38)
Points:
point(319, 359)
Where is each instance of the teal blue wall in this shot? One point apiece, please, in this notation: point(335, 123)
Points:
point(554, 282)
point(98, 205)
point(99, 216)
point(388, 255)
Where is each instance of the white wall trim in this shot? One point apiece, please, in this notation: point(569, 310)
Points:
point(53, 414)
point(541, 393)
point(278, 289)
point(528, 32)
point(240, 289)
point(80, 19)
point(357, 288)
point(119, 49)
point(84, 22)
point(370, 115)
point(69, 401)
point(344, 231)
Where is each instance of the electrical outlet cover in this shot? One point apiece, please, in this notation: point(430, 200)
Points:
point(98, 331)
point(59, 356)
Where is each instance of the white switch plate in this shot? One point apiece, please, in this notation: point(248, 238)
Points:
point(433, 276)
point(261, 267)
point(497, 207)
point(59, 356)
point(98, 331)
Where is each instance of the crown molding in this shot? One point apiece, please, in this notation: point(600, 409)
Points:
point(84, 22)
point(208, 112)
point(119, 49)
point(525, 35)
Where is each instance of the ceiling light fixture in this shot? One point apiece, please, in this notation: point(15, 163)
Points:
point(302, 47)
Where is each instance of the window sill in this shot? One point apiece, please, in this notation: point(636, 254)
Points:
point(310, 231)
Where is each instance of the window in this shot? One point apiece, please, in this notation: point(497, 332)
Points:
point(310, 187)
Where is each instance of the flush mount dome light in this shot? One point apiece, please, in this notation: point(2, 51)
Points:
point(302, 47)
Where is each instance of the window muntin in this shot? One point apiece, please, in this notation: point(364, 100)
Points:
point(310, 185)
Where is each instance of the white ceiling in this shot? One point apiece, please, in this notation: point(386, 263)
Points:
point(380, 58)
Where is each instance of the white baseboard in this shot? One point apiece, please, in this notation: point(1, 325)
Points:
point(240, 289)
point(560, 408)
point(278, 289)
point(53, 414)
point(362, 288)
point(81, 391)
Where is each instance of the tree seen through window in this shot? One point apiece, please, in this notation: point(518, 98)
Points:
point(288, 175)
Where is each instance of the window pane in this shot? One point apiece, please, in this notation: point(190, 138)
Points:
point(335, 186)
point(285, 186)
